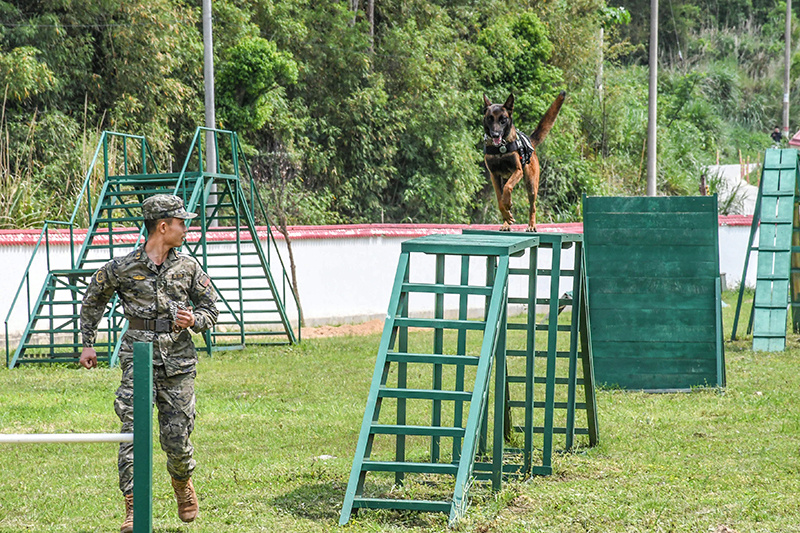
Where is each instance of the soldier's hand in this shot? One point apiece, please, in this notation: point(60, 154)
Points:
point(88, 357)
point(184, 318)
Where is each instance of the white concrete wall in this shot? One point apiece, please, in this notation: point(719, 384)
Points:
point(346, 278)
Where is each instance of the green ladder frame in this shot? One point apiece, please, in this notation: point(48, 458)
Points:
point(549, 392)
point(252, 302)
point(470, 436)
point(776, 220)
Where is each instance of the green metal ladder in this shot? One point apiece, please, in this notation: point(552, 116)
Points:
point(776, 220)
point(252, 303)
point(467, 354)
point(555, 396)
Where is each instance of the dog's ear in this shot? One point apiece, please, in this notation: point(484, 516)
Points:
point(486, 102)
point(509, 105)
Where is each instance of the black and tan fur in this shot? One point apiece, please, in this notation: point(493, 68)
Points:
point(507, 169)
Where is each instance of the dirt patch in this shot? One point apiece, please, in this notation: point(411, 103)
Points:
point(345, 330)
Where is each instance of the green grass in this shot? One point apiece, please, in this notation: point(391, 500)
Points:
point(666, 462)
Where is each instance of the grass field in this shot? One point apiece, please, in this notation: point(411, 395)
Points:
point(268, 417)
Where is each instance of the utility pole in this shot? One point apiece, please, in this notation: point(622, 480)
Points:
point(211, 121)
point(787, 63)
point(652, 115)
point(208, 74)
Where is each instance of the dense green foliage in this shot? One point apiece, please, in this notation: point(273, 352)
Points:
point(354, 125)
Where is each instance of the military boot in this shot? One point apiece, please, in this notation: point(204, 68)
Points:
point(187, 499)
point(127, 524)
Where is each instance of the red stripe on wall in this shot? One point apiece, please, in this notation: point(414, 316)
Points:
point(60, 236)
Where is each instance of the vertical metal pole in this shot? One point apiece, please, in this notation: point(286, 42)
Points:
point(491, 276)
point(142, 437)
point(208, 75)
point(402, 379)
point(210, 112)
point(787, 63)
point(463, 308)
point(530, 358)
point(499, 397)
point(552, 354)
point(438, 348)
point(573, 346)
point(652, 115)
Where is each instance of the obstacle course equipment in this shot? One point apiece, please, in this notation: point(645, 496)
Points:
point(142, 437)
point(655, 294)
point(249, 276)
point(777, 221)
point(416, 406)
point(545, 398)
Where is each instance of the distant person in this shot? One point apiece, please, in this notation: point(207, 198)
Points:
point(776, 135)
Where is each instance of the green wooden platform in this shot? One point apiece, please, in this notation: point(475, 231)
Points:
point(654, 286)
point(429, 412)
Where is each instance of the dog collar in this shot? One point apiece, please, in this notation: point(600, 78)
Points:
point(502, 149)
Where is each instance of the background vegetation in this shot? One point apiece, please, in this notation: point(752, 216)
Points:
point(368, 119)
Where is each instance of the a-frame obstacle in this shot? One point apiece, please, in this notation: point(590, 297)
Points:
point(777, 222)
point(256, 302)
point(432, 384)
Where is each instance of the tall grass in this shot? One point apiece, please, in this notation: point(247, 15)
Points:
point(277, 428)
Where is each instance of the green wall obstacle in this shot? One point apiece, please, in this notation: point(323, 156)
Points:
point(654, 291)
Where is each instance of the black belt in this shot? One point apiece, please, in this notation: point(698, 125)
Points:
point(158, 325)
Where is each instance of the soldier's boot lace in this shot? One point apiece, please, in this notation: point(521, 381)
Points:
point(187, 499)
point(127, 524)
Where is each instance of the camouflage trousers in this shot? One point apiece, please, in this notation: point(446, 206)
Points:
point(173, 396)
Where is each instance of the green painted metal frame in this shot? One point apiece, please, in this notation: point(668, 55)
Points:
point(503, 461)
point(470, 436)
point(395, 333)
point(75, 269)
point(121, 194)
point(778, 271)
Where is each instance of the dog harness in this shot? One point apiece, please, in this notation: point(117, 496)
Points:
point(522, 145)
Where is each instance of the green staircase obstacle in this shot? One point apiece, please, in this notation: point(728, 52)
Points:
point(776, 220)
point(248, 276)
point(425, 376)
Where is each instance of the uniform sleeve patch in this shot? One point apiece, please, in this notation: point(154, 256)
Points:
point(205, 281)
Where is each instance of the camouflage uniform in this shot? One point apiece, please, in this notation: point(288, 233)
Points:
point(148, 291)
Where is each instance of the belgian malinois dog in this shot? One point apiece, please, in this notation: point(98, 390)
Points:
point(511, 156)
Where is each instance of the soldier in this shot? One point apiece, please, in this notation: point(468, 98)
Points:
point(163, 294)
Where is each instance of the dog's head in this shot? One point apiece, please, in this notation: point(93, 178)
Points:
point(497, 124)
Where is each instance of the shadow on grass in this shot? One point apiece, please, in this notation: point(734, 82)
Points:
point(322, 502)
point(315, 501)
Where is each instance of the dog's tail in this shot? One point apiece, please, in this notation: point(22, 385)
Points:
point(546, 124)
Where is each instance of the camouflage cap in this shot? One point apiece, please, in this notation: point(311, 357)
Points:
point(161, 206)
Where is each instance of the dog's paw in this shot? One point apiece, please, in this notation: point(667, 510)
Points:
point(505, 227)
point(531, 229)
